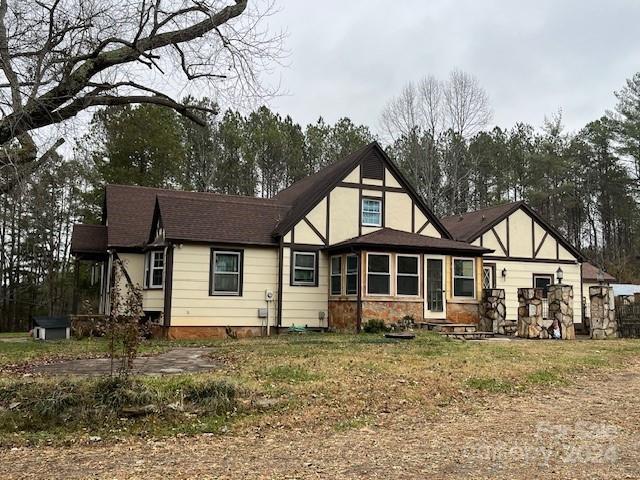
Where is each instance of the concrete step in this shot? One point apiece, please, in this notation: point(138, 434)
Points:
point(452, 327)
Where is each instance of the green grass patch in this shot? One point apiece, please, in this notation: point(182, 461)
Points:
point(492, 385)
point(544, 377)
point(353, 423)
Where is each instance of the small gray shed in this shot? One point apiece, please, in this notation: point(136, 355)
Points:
point(51, 328)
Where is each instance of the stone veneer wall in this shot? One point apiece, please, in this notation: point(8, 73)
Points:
point(530, 313)
point(561, 309)
point(603, 317)
point(493, 313)
point(392, 311)
point(343, 315)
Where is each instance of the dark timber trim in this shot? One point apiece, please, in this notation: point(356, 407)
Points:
point(315, 230)
point(413, 216)
point(530, 260)
point(327, 227)
point(421, 229)
point(544, 237)
point(495, 234)
point(367, 186)
point(280, 274)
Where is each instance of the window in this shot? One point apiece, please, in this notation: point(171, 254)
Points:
point(226, 272)
point(352, 274)
point(408, 278)
point(463, 277)
point(304, 268)
point(542, 281)
point(336, 275)
point(371, 212)
point(154, 269)
point(488, 277)
point(378, 277)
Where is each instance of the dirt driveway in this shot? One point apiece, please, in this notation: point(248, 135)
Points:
point(588, 430)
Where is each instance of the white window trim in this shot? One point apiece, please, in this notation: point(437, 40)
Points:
point(391, 293)
point(453, 278)
point(314, 269)
point(223, 293)
point(398, 274)
point(346, 274)
point(149, 268)
point(378, 224)
point(492, 280)
point(332, 274)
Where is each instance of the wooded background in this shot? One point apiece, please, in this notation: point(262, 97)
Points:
point(586, 183)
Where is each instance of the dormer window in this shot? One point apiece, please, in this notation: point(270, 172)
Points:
point(371, 212)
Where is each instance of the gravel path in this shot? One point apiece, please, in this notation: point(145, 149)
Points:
point(587, 430)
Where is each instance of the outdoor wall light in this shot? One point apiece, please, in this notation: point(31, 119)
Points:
point(559, 274)
point(504, 273)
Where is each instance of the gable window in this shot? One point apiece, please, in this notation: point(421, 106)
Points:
point(336, 275)
point(407, 278)
point(464, 277)
point(226, 272)
point(371, 212)
point(304, 268)
point(154, 269)
point(378, 275)
point(352, 274)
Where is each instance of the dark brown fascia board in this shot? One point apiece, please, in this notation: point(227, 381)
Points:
point(531, 260)
point(394, 248)
point(322, 192)
point(176, 240)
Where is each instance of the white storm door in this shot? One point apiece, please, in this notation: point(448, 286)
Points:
point(435, 305)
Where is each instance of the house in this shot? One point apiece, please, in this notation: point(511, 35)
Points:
point(350, 243)
point(528, 252)
point(51, 328)
point(592, 276)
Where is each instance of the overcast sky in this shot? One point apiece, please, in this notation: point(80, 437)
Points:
point(347, 58)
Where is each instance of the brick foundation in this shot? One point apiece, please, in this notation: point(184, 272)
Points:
point(463, 312)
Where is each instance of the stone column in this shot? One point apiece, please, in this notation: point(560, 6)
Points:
point(530, 312)
point(603, 315)
point(493, 311)
point(561, 309)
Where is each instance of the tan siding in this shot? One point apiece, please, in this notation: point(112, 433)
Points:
point(431, 231)
point(354, 176)
point(520, 235)
point(153, 300)
point(372, 193)
point(420, 218)
point(371, 181)
point(390, 180)
point(564, 253)
point(344, 215)
point(318, 216)
point(301, 304)
point(191, 303)
point(397, 211)
point(304, 234)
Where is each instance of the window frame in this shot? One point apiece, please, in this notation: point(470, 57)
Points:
point(292, 268)
point(454, 276)
point(549, 276)
point(332, 274)
point(381, 212)
point(388, 274)
point(212, 272)
point(398, 274)
point(347, 274)
point(492, 267)
point(149, 268)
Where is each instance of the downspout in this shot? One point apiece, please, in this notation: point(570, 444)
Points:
point(280, 272)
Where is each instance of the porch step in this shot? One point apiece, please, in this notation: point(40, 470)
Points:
point(450, 327)
point(467, 335)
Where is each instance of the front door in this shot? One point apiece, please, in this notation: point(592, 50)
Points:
point(434, 301)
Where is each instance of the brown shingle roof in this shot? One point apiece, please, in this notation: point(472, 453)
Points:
point(590, 273)
point(89, 239)
point(130, 213)
point(397, 239)
point(244, 220)
point(468, 226)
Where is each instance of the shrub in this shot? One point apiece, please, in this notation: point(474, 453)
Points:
point(374, 326)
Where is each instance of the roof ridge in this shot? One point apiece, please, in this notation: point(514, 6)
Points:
point(486, 208)
point(170, 191)
point(237, 199)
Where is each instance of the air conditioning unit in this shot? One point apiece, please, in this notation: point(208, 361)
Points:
point(268, 295)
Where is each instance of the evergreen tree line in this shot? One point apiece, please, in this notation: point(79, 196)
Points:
point(585, 183)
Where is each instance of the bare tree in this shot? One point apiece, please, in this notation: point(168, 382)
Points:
point(466, 104)
point(60, 57)
point(434, 106)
